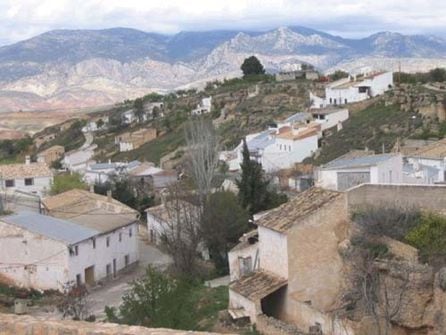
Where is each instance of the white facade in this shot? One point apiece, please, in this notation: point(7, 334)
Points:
point(204, 107)
point(343, 174)
point(273, 252)
point(420, 170)
point(35, 261)
point(35, 185)
point(78, 160)
point(329, 118)
point(354, 89)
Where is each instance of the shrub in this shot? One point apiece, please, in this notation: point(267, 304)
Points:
point(429, 237)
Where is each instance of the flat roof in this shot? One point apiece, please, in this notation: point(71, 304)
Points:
point(362, 161)
point(52, 228)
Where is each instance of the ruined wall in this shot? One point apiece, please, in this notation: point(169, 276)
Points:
point(432, 198)
point(21, 325)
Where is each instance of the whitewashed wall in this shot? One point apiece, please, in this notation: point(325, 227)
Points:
point(273, 252)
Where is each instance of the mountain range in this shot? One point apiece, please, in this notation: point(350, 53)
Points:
point(65, 69)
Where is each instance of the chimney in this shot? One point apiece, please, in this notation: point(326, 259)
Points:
point(27, 160)
point(109, 195)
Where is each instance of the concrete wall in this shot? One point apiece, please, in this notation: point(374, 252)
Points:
point(18, 325)
point(316, 273)
point(32, 261)
point(273, 252)
point(102, 255)
point(331, 120)
point(389, 171)
point(426, 197)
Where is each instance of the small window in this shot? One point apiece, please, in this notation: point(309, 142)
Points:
point(29, 181)
point(78, 280)
point(74, 251)
point(9, 182)
point(107, 241)
point(130, 232)
point(94, 243)
point(127, 260)
point(120, 237)
point(108, 270)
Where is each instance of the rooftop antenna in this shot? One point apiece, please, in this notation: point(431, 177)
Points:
point(399, 73)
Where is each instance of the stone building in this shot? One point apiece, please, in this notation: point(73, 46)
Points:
point(51, 155)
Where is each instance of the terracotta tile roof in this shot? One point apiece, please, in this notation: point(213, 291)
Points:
point(13, 171)
point(80, 201)
point(435, 150)
point(257, 285)
point(298, 208)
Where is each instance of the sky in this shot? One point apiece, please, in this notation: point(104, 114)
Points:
point(22, 19)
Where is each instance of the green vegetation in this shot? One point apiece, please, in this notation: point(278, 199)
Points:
point(154, 150)
point(160, 301)
point(371, 128)
point(338, 74)
point(429, 237)
point(435, 75)
point(252, 66)
point(13, 151)
point(224, 221)
point(255, 194)
point(70, 139)
point(66, 182)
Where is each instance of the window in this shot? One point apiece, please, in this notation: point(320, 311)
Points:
point(120, 237)
point(9, 182)
point(74, 251)
point(29, 181)
point(78, 280)
point(346, 101)
point(108, 270)
point(245, 265)
point(126, 260)
point(130, 232)
point(94, 243)
point(107, 241)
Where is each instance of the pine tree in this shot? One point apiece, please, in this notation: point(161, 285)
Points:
point(252, 66)
point(253, 187)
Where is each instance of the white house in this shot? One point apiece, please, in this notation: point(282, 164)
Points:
point(427, 164)
point(344, 173)
point(330, 117)
point(92, 125)
point(354, 89)
point(155, 176)
point(280, 149)
point(78, 160)
point(44, 253)
point(204, 107)
point(29, 177)
point(99, 173)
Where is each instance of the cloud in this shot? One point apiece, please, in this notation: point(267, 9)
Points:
point(20, 19)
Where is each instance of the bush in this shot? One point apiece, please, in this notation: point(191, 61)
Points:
point(66, 182)
point(429, 237)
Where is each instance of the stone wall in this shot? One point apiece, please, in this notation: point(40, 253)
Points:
point(25, 325)
point(270, 326)
point(431, 198)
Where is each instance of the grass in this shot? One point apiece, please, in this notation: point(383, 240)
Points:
point(209, 301)
point(373, 127)
point(154, 150)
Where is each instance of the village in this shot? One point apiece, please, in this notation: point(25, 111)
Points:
point(295, 244)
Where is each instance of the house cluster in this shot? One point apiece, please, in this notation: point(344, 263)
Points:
point(146, 172)
point(95, 124)
point(134, 139)
point(79, 238)
point(354, 89)
point(151, 110)
point(308, 74)
point(291, 267)
point(287, 142)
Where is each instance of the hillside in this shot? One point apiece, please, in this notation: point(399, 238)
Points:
point(106, 66)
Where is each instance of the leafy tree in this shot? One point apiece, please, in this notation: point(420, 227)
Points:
point(224, 221)
point(252, 66)
point(156, 300)
point(438, 75)
point(138, 106)
point(253, 187)
point(100, 123)
point(338, 74)
point(66, 182)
